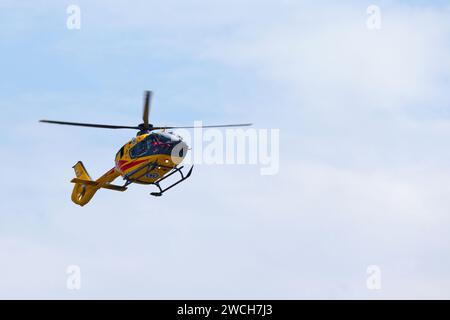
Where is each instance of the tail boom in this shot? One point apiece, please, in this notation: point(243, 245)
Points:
point(85, 188)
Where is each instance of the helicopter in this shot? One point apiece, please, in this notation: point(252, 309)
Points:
point(148, 159)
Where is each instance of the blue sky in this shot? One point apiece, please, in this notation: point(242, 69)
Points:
point(364, 166)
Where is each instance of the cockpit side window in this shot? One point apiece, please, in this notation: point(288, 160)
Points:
point(120, 153)
point(139, 149)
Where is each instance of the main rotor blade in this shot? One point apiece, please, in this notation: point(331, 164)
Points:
point(92, 125)
point(213, 126)
point(146, 112)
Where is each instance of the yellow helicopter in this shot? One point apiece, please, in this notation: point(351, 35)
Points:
point(149, 158)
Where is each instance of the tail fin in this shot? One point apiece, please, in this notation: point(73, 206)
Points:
point(82, 192)
point(85, 188)
point(80, 171)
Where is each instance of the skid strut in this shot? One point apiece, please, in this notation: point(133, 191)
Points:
point(183, 177)
point(148, 168)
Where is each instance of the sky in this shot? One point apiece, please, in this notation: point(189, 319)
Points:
point(364, 120)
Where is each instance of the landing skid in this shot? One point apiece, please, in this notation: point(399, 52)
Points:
point(183, 177)
point(148, 168)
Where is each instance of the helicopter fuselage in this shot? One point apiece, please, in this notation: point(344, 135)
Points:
point(149, 157)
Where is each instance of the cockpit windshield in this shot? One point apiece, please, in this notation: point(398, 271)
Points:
point(165, 138)
point(154, 143)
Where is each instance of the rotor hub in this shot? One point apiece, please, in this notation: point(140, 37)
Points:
point(145, 127)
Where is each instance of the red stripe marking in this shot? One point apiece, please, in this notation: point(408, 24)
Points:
point(121, 162)
point(131, 164)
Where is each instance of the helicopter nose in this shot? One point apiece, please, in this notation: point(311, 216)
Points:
point(182, 149)
point(179, 149)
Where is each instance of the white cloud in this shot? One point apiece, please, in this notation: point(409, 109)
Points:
point(334, 59)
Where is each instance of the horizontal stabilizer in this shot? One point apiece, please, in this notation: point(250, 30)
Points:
point(83, 181)
point(113, 187)
point(99, 185)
